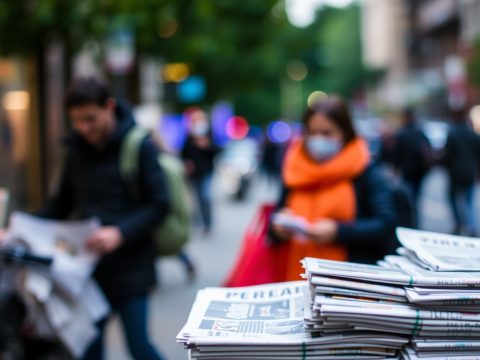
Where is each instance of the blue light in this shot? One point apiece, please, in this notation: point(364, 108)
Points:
point(173, 131)
point(221, 113)
point(279, 131)
point(192, 89)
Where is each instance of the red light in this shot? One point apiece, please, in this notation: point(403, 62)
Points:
point(237, 128)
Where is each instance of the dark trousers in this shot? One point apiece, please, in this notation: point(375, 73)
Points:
point(203, 192)
point(133, 315)
point(415, 188)
point(461, 199)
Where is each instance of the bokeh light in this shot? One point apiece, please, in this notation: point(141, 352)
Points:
point(279, 132)
point(173, 131)
point(175, 72)
point(16, 100)
point(314, 97)
point(168, 29)
point(475, 117)
point(297, 70)
point(237, 128)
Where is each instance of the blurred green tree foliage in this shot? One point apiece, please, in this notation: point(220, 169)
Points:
point(474, 64)
point(242, 48)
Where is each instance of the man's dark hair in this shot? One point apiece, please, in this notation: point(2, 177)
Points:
point(335, 108)
point(87, 91)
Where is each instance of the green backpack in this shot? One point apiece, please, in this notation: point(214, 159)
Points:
point(174, 232)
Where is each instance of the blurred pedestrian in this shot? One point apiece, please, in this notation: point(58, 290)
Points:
point(198, 155)
point(330, 182)
point(272, 161)
point(92, 186)
point(412, 154)
point(461, 159)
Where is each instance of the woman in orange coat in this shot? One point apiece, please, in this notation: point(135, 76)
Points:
point(330, 183)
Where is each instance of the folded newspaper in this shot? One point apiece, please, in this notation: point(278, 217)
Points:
point(429, 294)
point(68, 302)
point(441, 252)
point(267, 322)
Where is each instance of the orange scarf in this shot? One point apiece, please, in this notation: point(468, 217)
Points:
point(322, 190)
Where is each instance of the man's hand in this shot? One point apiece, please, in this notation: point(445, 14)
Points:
point(323, 231)
point(105, 240)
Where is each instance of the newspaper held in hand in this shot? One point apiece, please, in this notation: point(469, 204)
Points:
point(65, 294)
point(62, 240)
point(296, 224)
point(441, 252)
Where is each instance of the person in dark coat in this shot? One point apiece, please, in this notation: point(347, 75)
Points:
point(198, 155)
point(92, 186)
point(412, 154)
point(461, 159)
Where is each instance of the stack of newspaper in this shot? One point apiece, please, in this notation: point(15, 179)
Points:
point(266, 322)
point(429, 294)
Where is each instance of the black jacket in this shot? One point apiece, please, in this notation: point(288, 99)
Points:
point(462, 154)
point(412, 153)
point(202, 158)
point(371, 235)
point(91, 185)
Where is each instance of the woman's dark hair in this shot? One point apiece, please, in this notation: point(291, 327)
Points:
point(335, 108)
point(87, 91)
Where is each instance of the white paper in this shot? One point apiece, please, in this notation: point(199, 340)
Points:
point(95, 302)
point(296, 224)
point(71, 299)
point(442, 252)
point(38, 285)
point(78, 334)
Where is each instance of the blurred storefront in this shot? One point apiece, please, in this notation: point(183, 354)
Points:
point(435, 54)
point(32, 122)
point(383, 33)
point(19, 133)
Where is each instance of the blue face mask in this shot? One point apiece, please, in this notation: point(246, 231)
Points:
point(322, 148)
point(200, 128)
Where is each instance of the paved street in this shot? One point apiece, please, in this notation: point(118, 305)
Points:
point(171, 302)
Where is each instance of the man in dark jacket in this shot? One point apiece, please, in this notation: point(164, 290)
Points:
point(461, 157)
point(412, 154)
point(92, 186)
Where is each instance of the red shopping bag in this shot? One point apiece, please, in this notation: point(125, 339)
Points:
point(259, 262)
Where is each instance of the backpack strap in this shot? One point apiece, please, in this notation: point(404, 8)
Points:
point(129, 160)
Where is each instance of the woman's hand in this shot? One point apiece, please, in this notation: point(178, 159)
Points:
point(323, 231)
point(281, 232)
